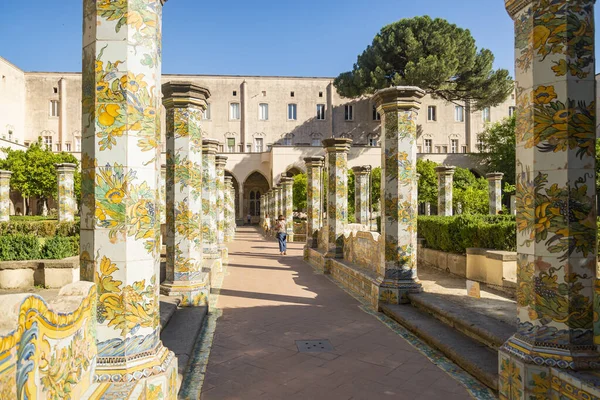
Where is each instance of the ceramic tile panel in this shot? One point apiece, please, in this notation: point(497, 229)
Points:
point(288, 210)
point(445, 184)
point(362, 176)
point(5, 195)
point(209, 198)
point(314, 172)
point(495, 192)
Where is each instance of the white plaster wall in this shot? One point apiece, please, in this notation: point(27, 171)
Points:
point(12, 101)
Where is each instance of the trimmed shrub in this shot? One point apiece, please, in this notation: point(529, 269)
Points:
point(19, 247)
point(59, 247)
point(456, 234)
point(45, 228)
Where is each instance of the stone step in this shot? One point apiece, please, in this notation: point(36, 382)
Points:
point(485, 329)
point(168, 306)
point(180, 335)
point(474, 357)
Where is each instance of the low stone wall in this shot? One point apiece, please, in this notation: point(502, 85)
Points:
point(453, 263)
point(364, 249)
point(48, 350)
point(52, 274)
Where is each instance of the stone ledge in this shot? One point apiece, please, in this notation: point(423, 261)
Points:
point(356, 279)
point(48, 273)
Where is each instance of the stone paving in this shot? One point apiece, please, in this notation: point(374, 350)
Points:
point(269, 301)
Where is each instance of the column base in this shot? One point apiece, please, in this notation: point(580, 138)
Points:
point(224, 254)
point(290, 237)
point(154, 378)
point(397, 292)
point(192, 293)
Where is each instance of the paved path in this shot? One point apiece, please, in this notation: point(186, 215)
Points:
point(269, 301)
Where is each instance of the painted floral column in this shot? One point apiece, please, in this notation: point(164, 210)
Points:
point(445, 179)
point(5, 195)
point(67, 205)
point(228, 203)
point(362, 174)
point(556, 200)
point(314, 173)
point(184, 102)
point(495, 191)
point(209, 198)
point(337, 193)
point(399, 108)
point(232, 225)
point(221, 162)
point(120, 160)
point(287, 195)
point(276, 202)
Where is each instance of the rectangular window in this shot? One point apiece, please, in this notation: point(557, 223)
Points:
point(348, 113)
point(428, 145)
point(316, 142)
point(206, 113)
point(57, 146)
point(373, 142)
point(287, 141)
point(68, 146)
point(263, 111)
point(10, 135)
point(321, 111)
point(258, 145)
point(459, 113)
point(464, 149)
point(48, 141)
point(479, 143)
point(27, 144)
point(444, 149)
point(78, 144)
point(231, 145)
point(438, 149)
point(431, 113)
point(54, 108)
point(234, 111)
point(248, 148)
point(485, 114)
point(454, 145)
point(292, 112)
point(511, 111)
point(376, 115)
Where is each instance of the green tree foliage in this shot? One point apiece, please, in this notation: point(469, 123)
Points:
point(299, 192)
point(34, 171)
point(498, 149)
point(470, 191)
point(351, 197)
point(375, 188)
point(427, 182)
point(433, 54)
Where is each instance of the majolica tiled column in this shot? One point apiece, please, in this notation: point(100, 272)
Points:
point(67, 205)
point(232, 224)
point(221, 162)
point(337, 193)
point(209, 198)
point(228, 201)
point(362, 175)
point(184, 102)
point(287, 196)
point(314, 174)
point(5, 196)
point(276, 202)
point(163, 194)
point(427, 208)
point(399, 108)
point(120, 162)
point(495, 191)
point(556, 201)
point(445, 179)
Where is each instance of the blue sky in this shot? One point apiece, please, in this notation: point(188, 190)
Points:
point(271, 37)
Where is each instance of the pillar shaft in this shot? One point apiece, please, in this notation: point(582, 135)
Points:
point(495, 192)
point(277, 201)
point(337, 192)
point(362, 177)
point(556, 205)
point(5, 196)
point(228, 215)
point(209, 198)
point(427, 208)
point(288, 207)
point(399, 107)
point(221, 162)
point(163, 194)
point(445, 179)
point(314, 173)
point(120, 161)
point(67, 205)
point(184, 103)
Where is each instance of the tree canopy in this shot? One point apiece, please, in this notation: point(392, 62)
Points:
point(427, 191)
point(497, 153)
point(433, 54)
point(299, 192)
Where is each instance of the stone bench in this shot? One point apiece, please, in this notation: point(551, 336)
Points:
point(47, 273)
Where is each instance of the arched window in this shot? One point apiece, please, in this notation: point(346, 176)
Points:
point(258, 203)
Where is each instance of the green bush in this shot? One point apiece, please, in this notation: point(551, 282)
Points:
point(19, 247)
point(59, 247)
point(45, 228)
point(456, 234)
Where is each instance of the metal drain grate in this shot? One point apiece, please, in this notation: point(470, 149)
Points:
point(314, 346)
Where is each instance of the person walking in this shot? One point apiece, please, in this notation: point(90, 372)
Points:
point(249, 218)
point(280, 234)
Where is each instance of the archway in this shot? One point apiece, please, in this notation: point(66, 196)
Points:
point(255, 186)
point(293, 171)
point(236, 187)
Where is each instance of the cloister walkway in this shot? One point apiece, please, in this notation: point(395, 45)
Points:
point(269, 301)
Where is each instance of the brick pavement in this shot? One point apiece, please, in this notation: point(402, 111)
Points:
point(269, 301)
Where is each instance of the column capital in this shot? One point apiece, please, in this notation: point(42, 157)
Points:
point(5, 173)
point(228, 179)
point(184, 94)
point(337, 145)
point(210, 146)
point(514, 6)
point(399, 97)
point(361, 169)
point(221, 161)
point(494, 176)
point(67, 167)
point(444, 170)
point(286, 180)
point(314, 161)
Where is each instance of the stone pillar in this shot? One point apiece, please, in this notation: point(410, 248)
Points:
point(232, 224)
point(276, 202)
point(221, 162)
point(5, 196)
point(337, 193)
point(67, 205)
point(287, 196)
point(209, 198)
point(427, 208)
point(459, 209)
point(495, 192)
point(229, 211)
point(314, 212)
point(120, 161)
point(445, 175)
point(362, 175)
point(184, 103)
point(163, 194)
point(513, 204)
point(556, 202)
point(399, 108)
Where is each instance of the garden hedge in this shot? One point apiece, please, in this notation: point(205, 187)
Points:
point(47, 228)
